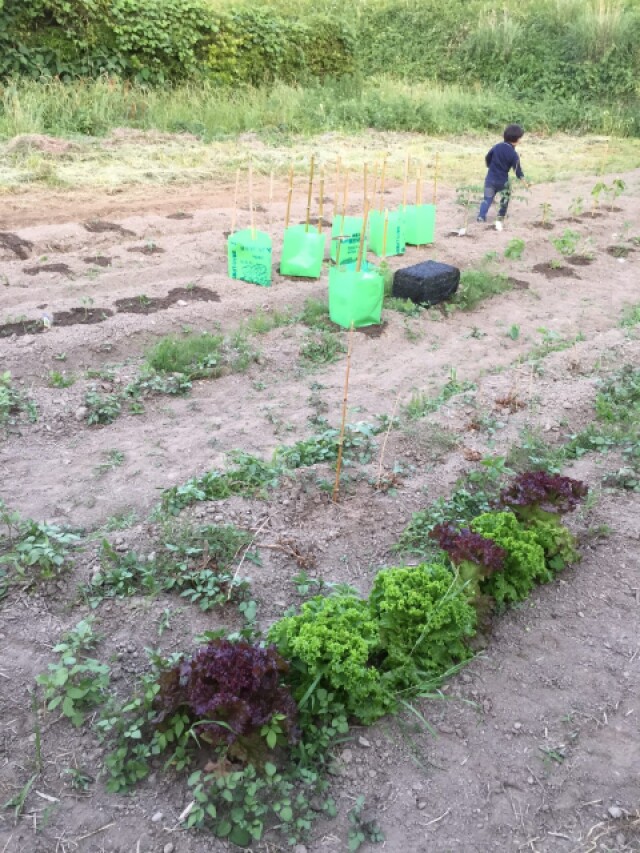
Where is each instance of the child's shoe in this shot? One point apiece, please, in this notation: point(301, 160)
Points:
point(498, 225)
point(481, 219)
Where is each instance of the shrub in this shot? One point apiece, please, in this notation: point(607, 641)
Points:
point(524, 565)
point(424, 621)
point(331, 644)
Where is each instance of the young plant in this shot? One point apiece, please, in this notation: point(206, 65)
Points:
point(599, 188)
point(514, 249)
point(33, 546)
point(75, 683)
point(322, 347)
point(576, 208)
point(101, 409)
point(615, 190)
point(546, 211)
point(467, 197)
point(13, 403)
point(60, 380)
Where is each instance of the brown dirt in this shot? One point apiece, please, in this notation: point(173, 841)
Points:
point(63, 269)
point(147, 250)
point(549, 271)
point(547, 226)
point(580, 260)
point(538, 737)
point(21, 248)
point(98, 226)
point(144, 305)
point(98, 260)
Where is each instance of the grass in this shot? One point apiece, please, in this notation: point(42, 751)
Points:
point(478, 285)
point(193, 355)
point(321, 347)
point(630, 316)
point(422, 404)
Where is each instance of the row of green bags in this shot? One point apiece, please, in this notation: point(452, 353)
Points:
point(249, 253)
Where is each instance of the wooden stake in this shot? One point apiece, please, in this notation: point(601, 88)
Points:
point(382, 179)
point(386, 438)
point(435, 178)
point(251, 210)
point(365, 175)
point(375, 184)
point(321, 201)
point(384, 234)
point(310, 193)
point(363, 235)
point(270, 202)
point(345, 196)
point(405, 181)
point(235, 202)
point(345, 398)
point(418, 184)
point(289, 194)
point(337, 189)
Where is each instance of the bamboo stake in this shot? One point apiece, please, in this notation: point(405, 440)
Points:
point(321, 202)
point(382, 179)
point(337, 190)
point(235, 202)
point(386, 438)
point(384, 234)
point(365, 175)
point(310, 193)
point(252, 212)
point(405, 181)
point(289, 194)
point(270, 203)
point(363, 235)
point(345, 398)
point(420, 187)
point(345, 196)
point(435, 178)
point(375, 183)
point(418, 182)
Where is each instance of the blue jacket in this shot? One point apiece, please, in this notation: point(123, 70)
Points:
point(500, 160)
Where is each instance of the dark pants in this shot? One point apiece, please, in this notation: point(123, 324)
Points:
point(490, 192)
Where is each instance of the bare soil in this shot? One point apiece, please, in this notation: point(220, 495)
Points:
point(538, 737)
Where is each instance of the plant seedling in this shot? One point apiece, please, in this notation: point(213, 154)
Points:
point(466, 198)
point(514, 249)
point(567, 243)
point(616, 189)
point(577, 206)
point(546, 210)
point(596, 192)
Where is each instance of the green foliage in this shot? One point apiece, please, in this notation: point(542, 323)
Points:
point(567, 243)
point(13, 403)
point(361, 830)
point(524, 565)
point(101, 408)
point(514, 249)
point(630, 316)
point(478, 285)
point(59, 379)
point(75, 684)
point(421, 404)
point(194, 356)
point(33, 549)
point(424, 621)
point(330, 644)
point(322, 347)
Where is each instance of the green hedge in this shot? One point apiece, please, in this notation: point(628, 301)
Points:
point(167, 40)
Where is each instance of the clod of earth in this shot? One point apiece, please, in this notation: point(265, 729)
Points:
point(98, 260)
point(518, 284)
point(147, 250)
point(373, 331)
point(22, 248)
point(547, 226)
point(99, 226)
point(580, 260)
point(87, 316)
point(64, 269)
point(180, 215)
point(619, 251)
point(555, 272)
point(145, 305)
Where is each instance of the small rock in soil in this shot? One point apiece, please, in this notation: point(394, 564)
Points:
point(168, 848)
point(615, 812)
point(157, 817)
point(364, 742)
point(81, 413)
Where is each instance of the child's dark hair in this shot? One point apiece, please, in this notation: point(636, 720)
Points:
point(513, 133)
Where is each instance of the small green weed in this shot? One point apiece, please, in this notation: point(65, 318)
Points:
point(113, 459)
point(514, 249)
point(101, 408)
point(195, 356)
point(75, 683)
point(322, 347)
point(403, 306)
point(59, 379)
point(422, 404)
point(478, 285)
point(13, 403)
point(315, 314)
point(630, 316)
point(361, 828)
point(33, 547)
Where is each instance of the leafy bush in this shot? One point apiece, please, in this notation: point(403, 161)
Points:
point(424, 622)
point(524, 565)
point(331, 644)
point(478, 285)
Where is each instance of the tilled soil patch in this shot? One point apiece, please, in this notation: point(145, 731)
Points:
point(147, 250)
point(555, 272)
point(98, 260)
point(144, 305)
point(99, 226)
point(22, 248)
point(580, 260)
point(63, 269)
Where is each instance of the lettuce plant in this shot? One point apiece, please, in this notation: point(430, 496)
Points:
point(230, 691)
point(524, 564)
point(424, 622)
point(538, 500)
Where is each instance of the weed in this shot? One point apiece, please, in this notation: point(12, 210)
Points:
point(546, 210)
point(322, 347)
point(551, 342)
point(315, 314)
point(630, 316)
point(194, 356)
point(32, 546)
point(113, 459)
point(101, 408)
point(599, 188)
point(120, 521)
point(514, 332)
point(361, 828)
point(576, 207)
point(79, 779)
point(305, 584)
point(75, 684)
point(514, 249)
point(265, 321)
point(403, 306)
point(422, 404)
point(13, 403)
point(478, 285)
point(468, 197)
point(60, 380)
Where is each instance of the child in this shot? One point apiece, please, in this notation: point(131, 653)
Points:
point(500, 160)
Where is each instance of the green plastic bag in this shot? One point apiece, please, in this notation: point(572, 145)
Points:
point(355, 297)
point(419, 224)
point(249, 256)
point(394, 243)
point(302, 252)
point(348, 229)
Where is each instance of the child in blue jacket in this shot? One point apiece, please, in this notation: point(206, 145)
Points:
point(500, 160)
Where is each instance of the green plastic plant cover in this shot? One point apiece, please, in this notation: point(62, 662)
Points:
point(394, 242)
point(302, 252)
point(249, 256)
point(355, 297)
point(419, 224)
point(348, 229)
